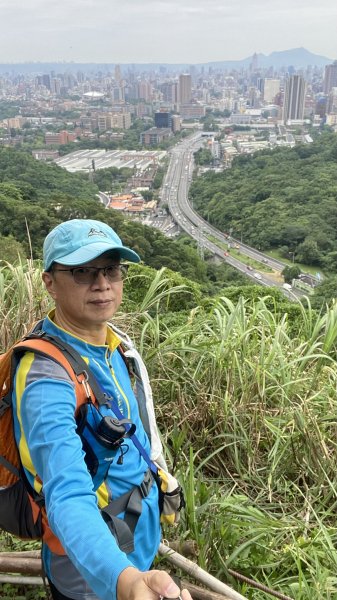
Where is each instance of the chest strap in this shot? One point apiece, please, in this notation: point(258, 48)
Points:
point(131, 504)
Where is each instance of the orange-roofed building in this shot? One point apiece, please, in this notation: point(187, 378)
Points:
point(117, 205)
point(135, 209)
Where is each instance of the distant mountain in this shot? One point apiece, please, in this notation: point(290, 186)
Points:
point(298, 58)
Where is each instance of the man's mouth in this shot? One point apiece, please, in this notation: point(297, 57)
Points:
point(101, 302)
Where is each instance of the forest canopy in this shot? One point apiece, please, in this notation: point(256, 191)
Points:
point(284, 198)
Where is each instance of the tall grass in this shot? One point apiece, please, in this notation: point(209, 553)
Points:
point(248, 415)
point(259, 408)
point(23, 300)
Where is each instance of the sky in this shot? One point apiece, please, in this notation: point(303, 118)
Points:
point(164, 31)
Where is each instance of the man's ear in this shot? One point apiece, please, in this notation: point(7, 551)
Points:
point(48, 280)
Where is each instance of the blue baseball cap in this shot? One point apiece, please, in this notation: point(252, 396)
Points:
point(78, 241)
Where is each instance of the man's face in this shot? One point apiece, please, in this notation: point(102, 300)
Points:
point(84, 306)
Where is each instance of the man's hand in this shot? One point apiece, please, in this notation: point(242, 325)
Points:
point(150, 585)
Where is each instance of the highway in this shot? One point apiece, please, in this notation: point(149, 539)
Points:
point(175, 194)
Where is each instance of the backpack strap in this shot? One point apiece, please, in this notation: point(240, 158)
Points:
point(56, 349)
point(50, 349)
point(8, 465)
point(131, 504)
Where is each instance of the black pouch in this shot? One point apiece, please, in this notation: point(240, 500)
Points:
point(19, 514)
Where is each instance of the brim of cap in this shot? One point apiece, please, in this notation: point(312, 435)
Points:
point(86, 253)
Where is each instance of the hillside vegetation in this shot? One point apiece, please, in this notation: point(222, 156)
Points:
point(35, 196)
point(245, 392)
point(283, 198)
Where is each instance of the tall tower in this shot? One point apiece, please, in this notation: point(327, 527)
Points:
point(185, 89)
point(118, 73)
point(294, 96)
point(330, 77)
point(254, 63)
point(271, 88)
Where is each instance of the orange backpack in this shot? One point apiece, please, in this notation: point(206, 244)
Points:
point(22, 511)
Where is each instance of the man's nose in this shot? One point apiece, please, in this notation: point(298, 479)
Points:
point(101, 280)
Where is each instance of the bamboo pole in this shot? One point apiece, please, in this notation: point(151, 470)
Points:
point(199, 574)
point(21, 580)
point(23, 554)
point(196, 592)
point(186, 548)
point(9, 563)
point(31, 566)
point(199, 593)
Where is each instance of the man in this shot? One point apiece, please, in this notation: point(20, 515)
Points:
point(83, 273)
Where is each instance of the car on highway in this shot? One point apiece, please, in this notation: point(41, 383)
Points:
point(257, 275)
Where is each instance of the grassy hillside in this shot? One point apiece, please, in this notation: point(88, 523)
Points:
point(35, 196)
point(246, 400)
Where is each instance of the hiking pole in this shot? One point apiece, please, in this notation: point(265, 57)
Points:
point(198, 573)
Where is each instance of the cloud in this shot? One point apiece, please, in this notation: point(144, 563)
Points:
point(162, 30)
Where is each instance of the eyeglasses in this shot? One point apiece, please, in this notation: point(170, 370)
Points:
point(88, 275)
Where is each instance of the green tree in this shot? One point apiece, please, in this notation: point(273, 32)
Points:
point(11, 250)
point(147, 195)
point(330, 261)
point(325, 293)
point(291, 272)
point(203, 156)
point(308, 252)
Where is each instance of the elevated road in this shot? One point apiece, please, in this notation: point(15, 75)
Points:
point(175, 195)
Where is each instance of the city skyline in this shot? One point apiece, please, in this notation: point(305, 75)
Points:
point(174, 31)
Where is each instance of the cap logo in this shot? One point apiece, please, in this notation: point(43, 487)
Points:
point(96, 232)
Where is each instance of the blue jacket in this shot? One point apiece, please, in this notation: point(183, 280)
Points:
point(44, 406)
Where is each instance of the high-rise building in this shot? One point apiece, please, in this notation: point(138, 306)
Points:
point(169, 91)
point(176, 123)
point(117, 94)
point(271, 88)
point(144, 90)
point(254, 97)
point(118, 73)
point(163, 119)
point(185, 89)
point(294, 96)
point(253, 65)
point(55, 85)
point(330, 77)
point(46, 81)
point(121, 121)
point(332, 101)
